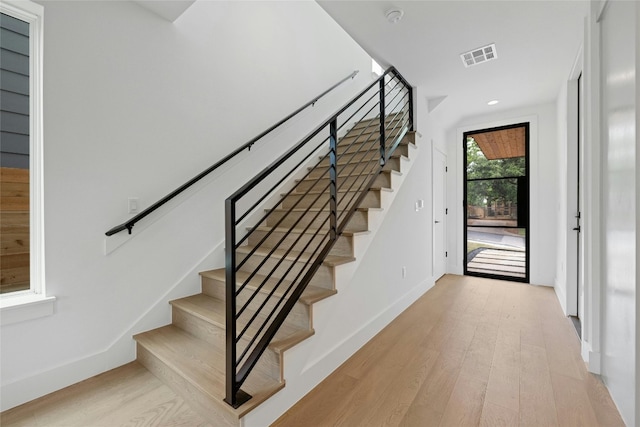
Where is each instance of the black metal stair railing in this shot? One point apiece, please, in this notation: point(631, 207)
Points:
point(280, 266)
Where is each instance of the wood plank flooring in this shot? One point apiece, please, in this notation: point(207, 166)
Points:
point(470, 352)
point(126, 396)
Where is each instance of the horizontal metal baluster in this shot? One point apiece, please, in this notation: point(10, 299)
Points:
point(252, 229)
point(267, 193)
point(252, 341)
point(268, 275)
point(272, 229)
point(266, 322)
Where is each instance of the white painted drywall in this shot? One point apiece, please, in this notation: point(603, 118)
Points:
point(619, 145)
point(543, 186)
point(134, 106)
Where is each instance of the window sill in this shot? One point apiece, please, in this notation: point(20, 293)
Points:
point(28, 306)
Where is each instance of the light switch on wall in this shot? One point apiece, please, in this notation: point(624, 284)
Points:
point(133, 205)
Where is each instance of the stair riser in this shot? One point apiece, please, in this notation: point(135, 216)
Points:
point(323, 278)
point(355, 168)
point(302, 219)
point(357, 157)
point(344, 183)
point(300, 201)
point(268, 364)
point(389, 120)
point(299, 317)
point(207, 406)
point(348, 169)
point(368, 151)
point(343, 246)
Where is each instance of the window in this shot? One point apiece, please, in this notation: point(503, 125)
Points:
point(23, 294)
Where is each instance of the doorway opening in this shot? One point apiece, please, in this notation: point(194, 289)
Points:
point(496, 202)
point(576, 315)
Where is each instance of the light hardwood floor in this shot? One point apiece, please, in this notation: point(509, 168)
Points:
point(126, 396)
point(469, 352)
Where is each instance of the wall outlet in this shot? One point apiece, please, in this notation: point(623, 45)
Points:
point(404, 272)
point(133, 205)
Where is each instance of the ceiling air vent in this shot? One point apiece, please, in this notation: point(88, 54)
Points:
point(479, 55)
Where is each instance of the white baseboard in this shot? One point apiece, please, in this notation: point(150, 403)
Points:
point(562, 297)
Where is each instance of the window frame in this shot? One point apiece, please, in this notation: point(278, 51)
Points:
point(28, 304)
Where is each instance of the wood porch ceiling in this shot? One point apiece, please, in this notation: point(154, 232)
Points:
point(501, 144)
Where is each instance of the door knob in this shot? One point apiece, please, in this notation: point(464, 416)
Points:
point(576, 229)
point(437, 222)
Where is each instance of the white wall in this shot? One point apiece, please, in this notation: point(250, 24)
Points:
point(543, 186)
point(618, 38)
point(134, 106)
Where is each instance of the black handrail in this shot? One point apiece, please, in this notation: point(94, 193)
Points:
point(128, 225)
point(329, 213)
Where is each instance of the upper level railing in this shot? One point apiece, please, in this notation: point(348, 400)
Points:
point(128, 225)
point(268, 268)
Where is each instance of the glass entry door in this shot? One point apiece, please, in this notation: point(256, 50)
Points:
point(496, 188)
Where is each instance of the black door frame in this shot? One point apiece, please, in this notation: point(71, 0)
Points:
point(527, 222)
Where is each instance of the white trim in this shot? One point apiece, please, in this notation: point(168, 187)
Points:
point(10, 304)
point(592, 200)
point(25, 306)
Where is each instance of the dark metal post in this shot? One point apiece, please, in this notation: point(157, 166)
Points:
point(230, 297)
point(333, 176)
point(234, 396)
point(410, 89)
point(383, 150)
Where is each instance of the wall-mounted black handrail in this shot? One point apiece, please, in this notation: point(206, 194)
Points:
point(332, 198)
point(128, 225)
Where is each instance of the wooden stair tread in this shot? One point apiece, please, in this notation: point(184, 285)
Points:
point(341, 190)
point(310, 295)
point(330, 260)
point(202, 365)
point(341, 161)
point(322, 165)
point(325, 209)
point(212, 310)
point(342, 174)
point(307, 231)
point(323, 178)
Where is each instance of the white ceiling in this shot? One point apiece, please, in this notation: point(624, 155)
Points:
point(537, 43)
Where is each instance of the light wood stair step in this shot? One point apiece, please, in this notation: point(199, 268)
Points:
point(195, 369)
point(310, 295)
point(212, 310)
point(330, 260)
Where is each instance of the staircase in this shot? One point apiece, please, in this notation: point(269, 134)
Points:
point(329, 205)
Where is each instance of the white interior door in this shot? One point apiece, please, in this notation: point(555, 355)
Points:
point(439, 213)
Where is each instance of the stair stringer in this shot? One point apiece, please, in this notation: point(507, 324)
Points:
point(307, 364)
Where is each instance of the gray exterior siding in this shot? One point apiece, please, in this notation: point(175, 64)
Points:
point(14, 93)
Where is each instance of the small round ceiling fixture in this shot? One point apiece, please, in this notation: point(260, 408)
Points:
point(394, 15)
point(494, 102)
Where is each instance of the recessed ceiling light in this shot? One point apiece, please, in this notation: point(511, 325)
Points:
point(394, 15)
point(494, 102)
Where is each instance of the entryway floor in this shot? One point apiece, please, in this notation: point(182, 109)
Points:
point(469, 352)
